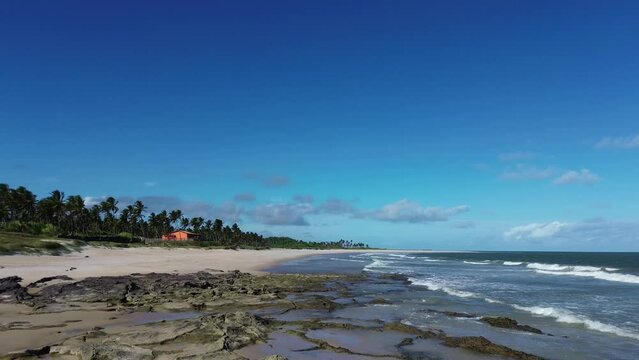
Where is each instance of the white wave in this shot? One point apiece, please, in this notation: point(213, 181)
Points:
point(549, 267)
point(557, 267)
point(435, 286)
point(569, 317)
point(432, 260)
point(512, 263)
point(351, 260)
point(485, 262)
point(376, 264)
point(403, 256)
point(601, 275)
point(493, 301)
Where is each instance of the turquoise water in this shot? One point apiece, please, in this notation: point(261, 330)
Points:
point(588, 301)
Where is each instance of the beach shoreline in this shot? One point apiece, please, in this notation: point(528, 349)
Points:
point(102, 261)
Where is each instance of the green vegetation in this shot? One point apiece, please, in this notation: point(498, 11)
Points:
point(11, 243)
point(106, 223)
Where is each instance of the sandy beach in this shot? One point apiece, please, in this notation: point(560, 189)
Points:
point(95, 261)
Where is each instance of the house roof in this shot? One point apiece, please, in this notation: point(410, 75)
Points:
point(182, 231)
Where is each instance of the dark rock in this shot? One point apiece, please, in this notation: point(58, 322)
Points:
point(453, 313)
point(380, 301)
point(11, 283)
point(319, 302)
point(508, 323)
point(482, 345)
point(38, 352)
point(406, 342)
point(49, 278)
point(13, 291)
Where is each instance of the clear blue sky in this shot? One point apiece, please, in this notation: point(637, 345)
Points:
point(450, 124)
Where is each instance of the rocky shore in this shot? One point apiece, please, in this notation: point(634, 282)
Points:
point(219, 315)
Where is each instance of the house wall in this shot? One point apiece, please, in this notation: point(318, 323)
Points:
point(176, 236)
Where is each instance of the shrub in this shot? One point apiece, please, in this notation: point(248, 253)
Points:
point(49, 230)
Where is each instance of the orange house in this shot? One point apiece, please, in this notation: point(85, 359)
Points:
point(180, 235)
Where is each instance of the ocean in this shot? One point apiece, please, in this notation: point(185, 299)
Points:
point(589, 302)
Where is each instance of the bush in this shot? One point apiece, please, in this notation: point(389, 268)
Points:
point(30, 227)
point(49, 230)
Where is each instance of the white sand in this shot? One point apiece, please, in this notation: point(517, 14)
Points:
point(93, 261)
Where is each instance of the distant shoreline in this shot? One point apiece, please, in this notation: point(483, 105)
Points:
point(97, 261)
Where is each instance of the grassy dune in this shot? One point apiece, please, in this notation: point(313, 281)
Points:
point(12, 243)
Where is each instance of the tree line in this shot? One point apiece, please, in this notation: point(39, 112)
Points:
point(69, 216)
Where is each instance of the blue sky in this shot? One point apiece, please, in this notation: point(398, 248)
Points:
point(510, 125)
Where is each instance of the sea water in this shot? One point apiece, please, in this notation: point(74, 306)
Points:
point(589, 302)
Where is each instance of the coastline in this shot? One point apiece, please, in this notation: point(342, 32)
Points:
point(343, 303)
point(221, 315)
point(100, 261)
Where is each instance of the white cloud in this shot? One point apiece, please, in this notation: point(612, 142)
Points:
point(594, 234)
point(150, 183)
point(409, 211)
point(337, 207)
point(517, 156)
point(620, 142)
point(282, 214)
point(535, 230)
point(583, 176)
point(526, 172)
point(93, 200)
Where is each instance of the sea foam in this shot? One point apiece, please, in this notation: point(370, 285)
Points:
point(435, 286)
point(601, 273)
point(350, 260)
point(512, 263)
point(375, 265)
point(485, 262)
point(568, 317)
point(448, 289)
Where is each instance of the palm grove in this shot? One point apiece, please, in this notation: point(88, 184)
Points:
point(69, 216)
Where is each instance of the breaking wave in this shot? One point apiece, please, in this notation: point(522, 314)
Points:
point(376, 265)
point(350, 260)
point(601, 273)
point(512, 263)
point(568, 317)
point(435, 286)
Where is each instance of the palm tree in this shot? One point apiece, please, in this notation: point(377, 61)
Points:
point(138, 211)
point(110, 208)
point(184, 223)
point(4, 203)
point(236, 233)
point(126, 217)
point(163, 222)
point(75, 208)
point(175, 216)
point(217, 230)
point(51, 209)
point(153, 223)
point(22, 204)
point(196, 223)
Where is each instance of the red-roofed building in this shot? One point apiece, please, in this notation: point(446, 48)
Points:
point(180, 235)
